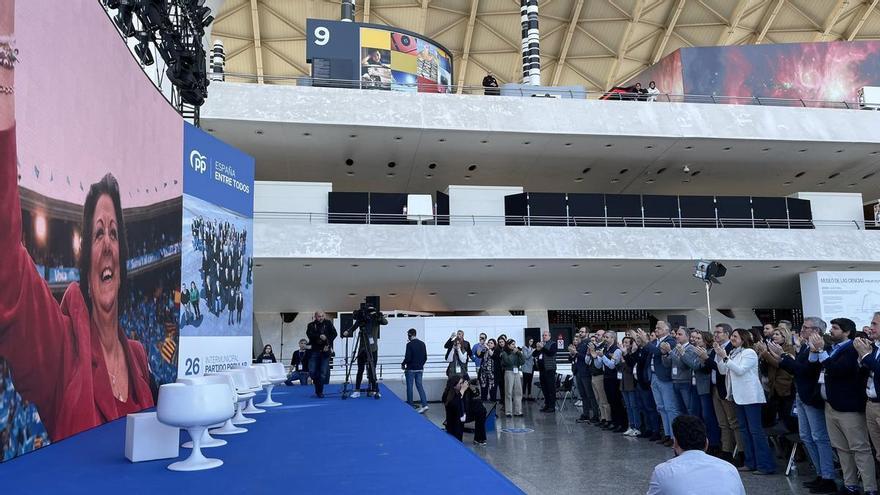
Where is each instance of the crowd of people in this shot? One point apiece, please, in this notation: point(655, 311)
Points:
point(748, 388)
point(149, 317)
point(23, 430)
point(224, 260)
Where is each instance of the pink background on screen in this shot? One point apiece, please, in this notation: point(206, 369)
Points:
point(84, 108)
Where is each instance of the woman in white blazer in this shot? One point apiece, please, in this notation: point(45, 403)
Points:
point(744, 387)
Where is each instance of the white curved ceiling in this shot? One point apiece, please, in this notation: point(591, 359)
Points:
point(594, 43)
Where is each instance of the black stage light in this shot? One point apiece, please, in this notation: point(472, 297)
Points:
point(142, 50)
point(709, 271)
point(123, 21)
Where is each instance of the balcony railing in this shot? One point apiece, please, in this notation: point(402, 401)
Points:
point(567, 221)
point(548, 92)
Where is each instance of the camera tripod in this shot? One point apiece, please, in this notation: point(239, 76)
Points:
point(360, 343)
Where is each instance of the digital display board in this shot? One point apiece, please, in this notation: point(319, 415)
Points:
point(378, 57)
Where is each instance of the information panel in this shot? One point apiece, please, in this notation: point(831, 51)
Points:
point(216, 293)
point(853, 295)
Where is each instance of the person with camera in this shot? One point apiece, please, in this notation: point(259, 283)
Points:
point(413, 367)
point(462, 404)
point(463, 345)
point(477, 349)
point(545, 357)
point(512, 360)
point(457, 357)
point(499, 368)
point(528, 369)
point(486, 372)
point(321, 334)
point(367, 319)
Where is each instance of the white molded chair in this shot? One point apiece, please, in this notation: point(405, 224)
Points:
point(254, 377)
point(194, 407)
point(207, 440)
point(276, 375)
point(245, 393)
point(228, 427)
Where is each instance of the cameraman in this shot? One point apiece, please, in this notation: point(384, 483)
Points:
point(368, 320)
point(321, 334)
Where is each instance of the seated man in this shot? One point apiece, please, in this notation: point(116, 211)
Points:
point(692, 470)
point(299, 365)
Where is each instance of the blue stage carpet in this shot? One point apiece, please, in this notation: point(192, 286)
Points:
point(305, 446)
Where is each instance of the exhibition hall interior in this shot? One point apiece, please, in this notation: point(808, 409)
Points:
point(440, 246)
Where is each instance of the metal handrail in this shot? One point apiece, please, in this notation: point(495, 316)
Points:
point(466, 89)
point(560, 221)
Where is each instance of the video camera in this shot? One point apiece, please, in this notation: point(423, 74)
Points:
point(367, 315)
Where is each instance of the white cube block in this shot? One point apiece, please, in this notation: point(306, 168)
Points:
point(147, 439)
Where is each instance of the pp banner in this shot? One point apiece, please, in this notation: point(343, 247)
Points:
point(216, 293)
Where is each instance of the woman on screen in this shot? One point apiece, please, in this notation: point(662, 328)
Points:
point(72, 360)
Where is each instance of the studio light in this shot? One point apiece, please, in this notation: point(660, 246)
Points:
point(709, 271)
point(142, 50)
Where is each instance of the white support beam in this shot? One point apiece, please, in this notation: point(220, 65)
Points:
point(238, 51)
point(367, 11)
point(624, 41)
point(728, 34)
point(466, 46)
point(667, 32)
point(566, 42)
point(222, 17)
point(258, 48)
point(859, 20)
point(423, 17)
point(832, 19)
point(774, 11)
point(515, 46)
point(446, 28)
point(289, 61)
point(287, 22)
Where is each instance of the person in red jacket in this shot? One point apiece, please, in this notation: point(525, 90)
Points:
point(72, 360)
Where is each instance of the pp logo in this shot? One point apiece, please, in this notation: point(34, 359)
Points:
point(198, 161)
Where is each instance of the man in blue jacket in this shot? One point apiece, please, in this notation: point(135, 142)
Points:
point(661, 376)
point(413, 366)
point(810, 405)
point(842, 385)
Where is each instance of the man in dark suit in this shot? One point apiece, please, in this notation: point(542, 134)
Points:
point(725, 410)
point(810, 405)
point(842, 385)
point(545, 356)
point(590, 407)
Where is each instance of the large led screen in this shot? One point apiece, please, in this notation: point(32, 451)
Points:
point(90, 190)
point(348, 54)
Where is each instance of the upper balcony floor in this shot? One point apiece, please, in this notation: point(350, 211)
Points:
point(418, 142)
